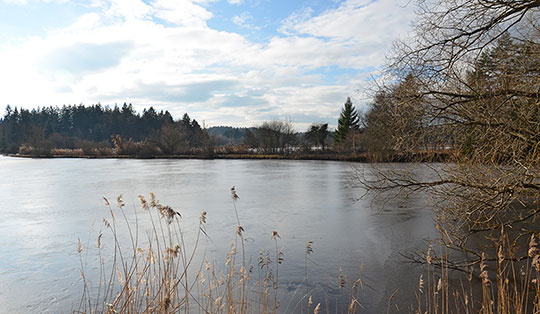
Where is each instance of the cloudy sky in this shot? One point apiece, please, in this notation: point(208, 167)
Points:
point(225, 62)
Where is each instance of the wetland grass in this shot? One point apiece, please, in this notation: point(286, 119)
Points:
point(160, 272)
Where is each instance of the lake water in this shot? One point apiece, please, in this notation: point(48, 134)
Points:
point(47, 204)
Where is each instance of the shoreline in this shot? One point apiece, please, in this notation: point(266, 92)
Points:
point(431, 156)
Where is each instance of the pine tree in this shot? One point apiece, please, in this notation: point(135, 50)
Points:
point(348, 120)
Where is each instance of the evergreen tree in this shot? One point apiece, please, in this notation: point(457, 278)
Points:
point(348, 120)
point(317, 134)
point(78, 126)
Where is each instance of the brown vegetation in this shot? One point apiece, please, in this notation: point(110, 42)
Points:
point(165, 273)
point(468, 81)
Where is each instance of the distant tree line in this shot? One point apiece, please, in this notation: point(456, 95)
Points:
point(98, 130)
point(272, 137)
point(280, 137)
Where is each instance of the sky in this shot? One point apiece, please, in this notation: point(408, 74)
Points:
point(225, 62)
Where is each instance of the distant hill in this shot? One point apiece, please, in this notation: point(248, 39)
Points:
point(228, 134)
point(234, 135)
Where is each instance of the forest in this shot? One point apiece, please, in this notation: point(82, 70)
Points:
point(99, 131)
point(102, 131)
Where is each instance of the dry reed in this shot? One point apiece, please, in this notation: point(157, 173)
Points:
point(161, 273)
point(503, 284)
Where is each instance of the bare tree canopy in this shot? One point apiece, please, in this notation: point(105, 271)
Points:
point(468, 80)
point(450, 31)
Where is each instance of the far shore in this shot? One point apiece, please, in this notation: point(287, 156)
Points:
point(421, 156)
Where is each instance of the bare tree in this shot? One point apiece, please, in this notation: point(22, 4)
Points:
point(173, 139)
point(275, 136)
point(469, 78)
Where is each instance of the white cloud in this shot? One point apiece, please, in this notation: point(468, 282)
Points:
point(123, 9)
point(20, 2)
point(295, 19)
point(241, 19)
point(84, 22)
point(362, 20)
point(124, 53)
point(245, 20)
point(23, 2)
point(236, 2)
point(181, 12)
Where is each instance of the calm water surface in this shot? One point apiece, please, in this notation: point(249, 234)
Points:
point(46, 204)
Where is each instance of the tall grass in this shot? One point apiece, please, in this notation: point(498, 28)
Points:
point(501, 283)
point(160, 271)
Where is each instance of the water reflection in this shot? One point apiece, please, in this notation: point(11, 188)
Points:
point(45, 205)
